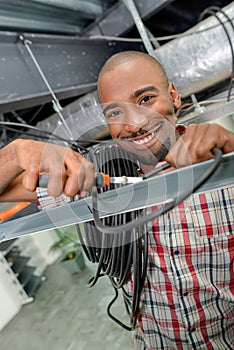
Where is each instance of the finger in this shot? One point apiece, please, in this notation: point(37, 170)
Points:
point(194, 146)
point(30, 178)
point(80, 180)
point(53, 163)
point(89, 180)
point(57, 180)
point(179, 155)
point(74, 183)
point(216, 136)
point(75, 173)
point(200, 146)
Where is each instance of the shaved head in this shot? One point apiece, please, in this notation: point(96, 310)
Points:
point(138, 103)
point(126, 56)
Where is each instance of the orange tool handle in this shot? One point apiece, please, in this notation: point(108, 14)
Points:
point(13, 210)
point(102, 180)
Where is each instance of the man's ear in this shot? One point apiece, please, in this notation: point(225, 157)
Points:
point(174, 95)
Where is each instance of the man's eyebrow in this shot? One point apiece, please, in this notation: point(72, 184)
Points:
point(137, 93)
point(110, 106)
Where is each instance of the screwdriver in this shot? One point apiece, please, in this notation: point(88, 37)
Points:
point(102, 179)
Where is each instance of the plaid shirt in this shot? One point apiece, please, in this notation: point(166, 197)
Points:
point(188, 297)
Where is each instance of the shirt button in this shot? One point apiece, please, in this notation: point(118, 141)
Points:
point(185, 294)
point(176, 252)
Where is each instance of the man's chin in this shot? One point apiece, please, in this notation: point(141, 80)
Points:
point(148, 157)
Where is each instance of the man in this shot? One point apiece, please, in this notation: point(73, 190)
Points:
point(188, 297)
point(70, 173)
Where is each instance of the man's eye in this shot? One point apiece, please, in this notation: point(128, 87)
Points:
point(113, 114)
point(145, 99)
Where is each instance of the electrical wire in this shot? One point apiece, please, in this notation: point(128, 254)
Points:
point(54, 136)
point(143, 219)
point(55, 102)
point(28, 134)
point(162, 38)
point(75, 144)
point(188, 107)
point(125, 251)
point(123, 254)
point(36, 113)
point(218, 9)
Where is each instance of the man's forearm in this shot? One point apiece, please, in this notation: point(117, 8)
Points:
point(10, 168)
point(16, 192)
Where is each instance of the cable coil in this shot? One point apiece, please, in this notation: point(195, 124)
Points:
point(124, 254)
point(119, 243)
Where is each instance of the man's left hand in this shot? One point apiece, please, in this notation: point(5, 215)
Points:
point(196, 144)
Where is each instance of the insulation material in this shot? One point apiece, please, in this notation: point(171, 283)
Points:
point(84, 119)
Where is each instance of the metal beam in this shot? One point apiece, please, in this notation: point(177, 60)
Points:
point(118, 20)
point(34, 16)
point(70, 64)
point(157, 190)
point(210, 115)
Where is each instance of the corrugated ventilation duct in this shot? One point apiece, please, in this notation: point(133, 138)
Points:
point(201, 58)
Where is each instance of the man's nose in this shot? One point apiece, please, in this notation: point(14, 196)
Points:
point(135, 119)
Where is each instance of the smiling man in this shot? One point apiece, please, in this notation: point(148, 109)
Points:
point(187, 301)
point(139, 105)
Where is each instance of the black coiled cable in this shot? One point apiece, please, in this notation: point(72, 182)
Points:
point(142, 218)
point(119, 244)
point(124, 254)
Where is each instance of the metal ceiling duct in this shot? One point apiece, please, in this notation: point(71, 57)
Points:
point(90, 7)
point(198, 60)
point(84, 119)
point(202, 57)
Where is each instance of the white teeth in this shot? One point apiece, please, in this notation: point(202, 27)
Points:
point(148, 138)
point(145, 140)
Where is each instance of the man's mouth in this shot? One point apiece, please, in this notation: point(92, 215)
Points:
point(143, 140)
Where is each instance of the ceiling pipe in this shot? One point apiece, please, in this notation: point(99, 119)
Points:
point(202, 57)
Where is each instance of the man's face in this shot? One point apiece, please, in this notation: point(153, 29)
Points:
point(139, 109)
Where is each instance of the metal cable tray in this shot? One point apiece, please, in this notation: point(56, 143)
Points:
point(157, 190)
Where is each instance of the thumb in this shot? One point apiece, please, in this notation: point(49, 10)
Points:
point(170, 159)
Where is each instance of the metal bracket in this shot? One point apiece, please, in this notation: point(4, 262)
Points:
point(140, 26)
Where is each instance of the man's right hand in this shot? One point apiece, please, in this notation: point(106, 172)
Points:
point(69, 172)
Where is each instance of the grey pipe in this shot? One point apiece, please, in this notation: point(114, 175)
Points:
point(201, 59)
